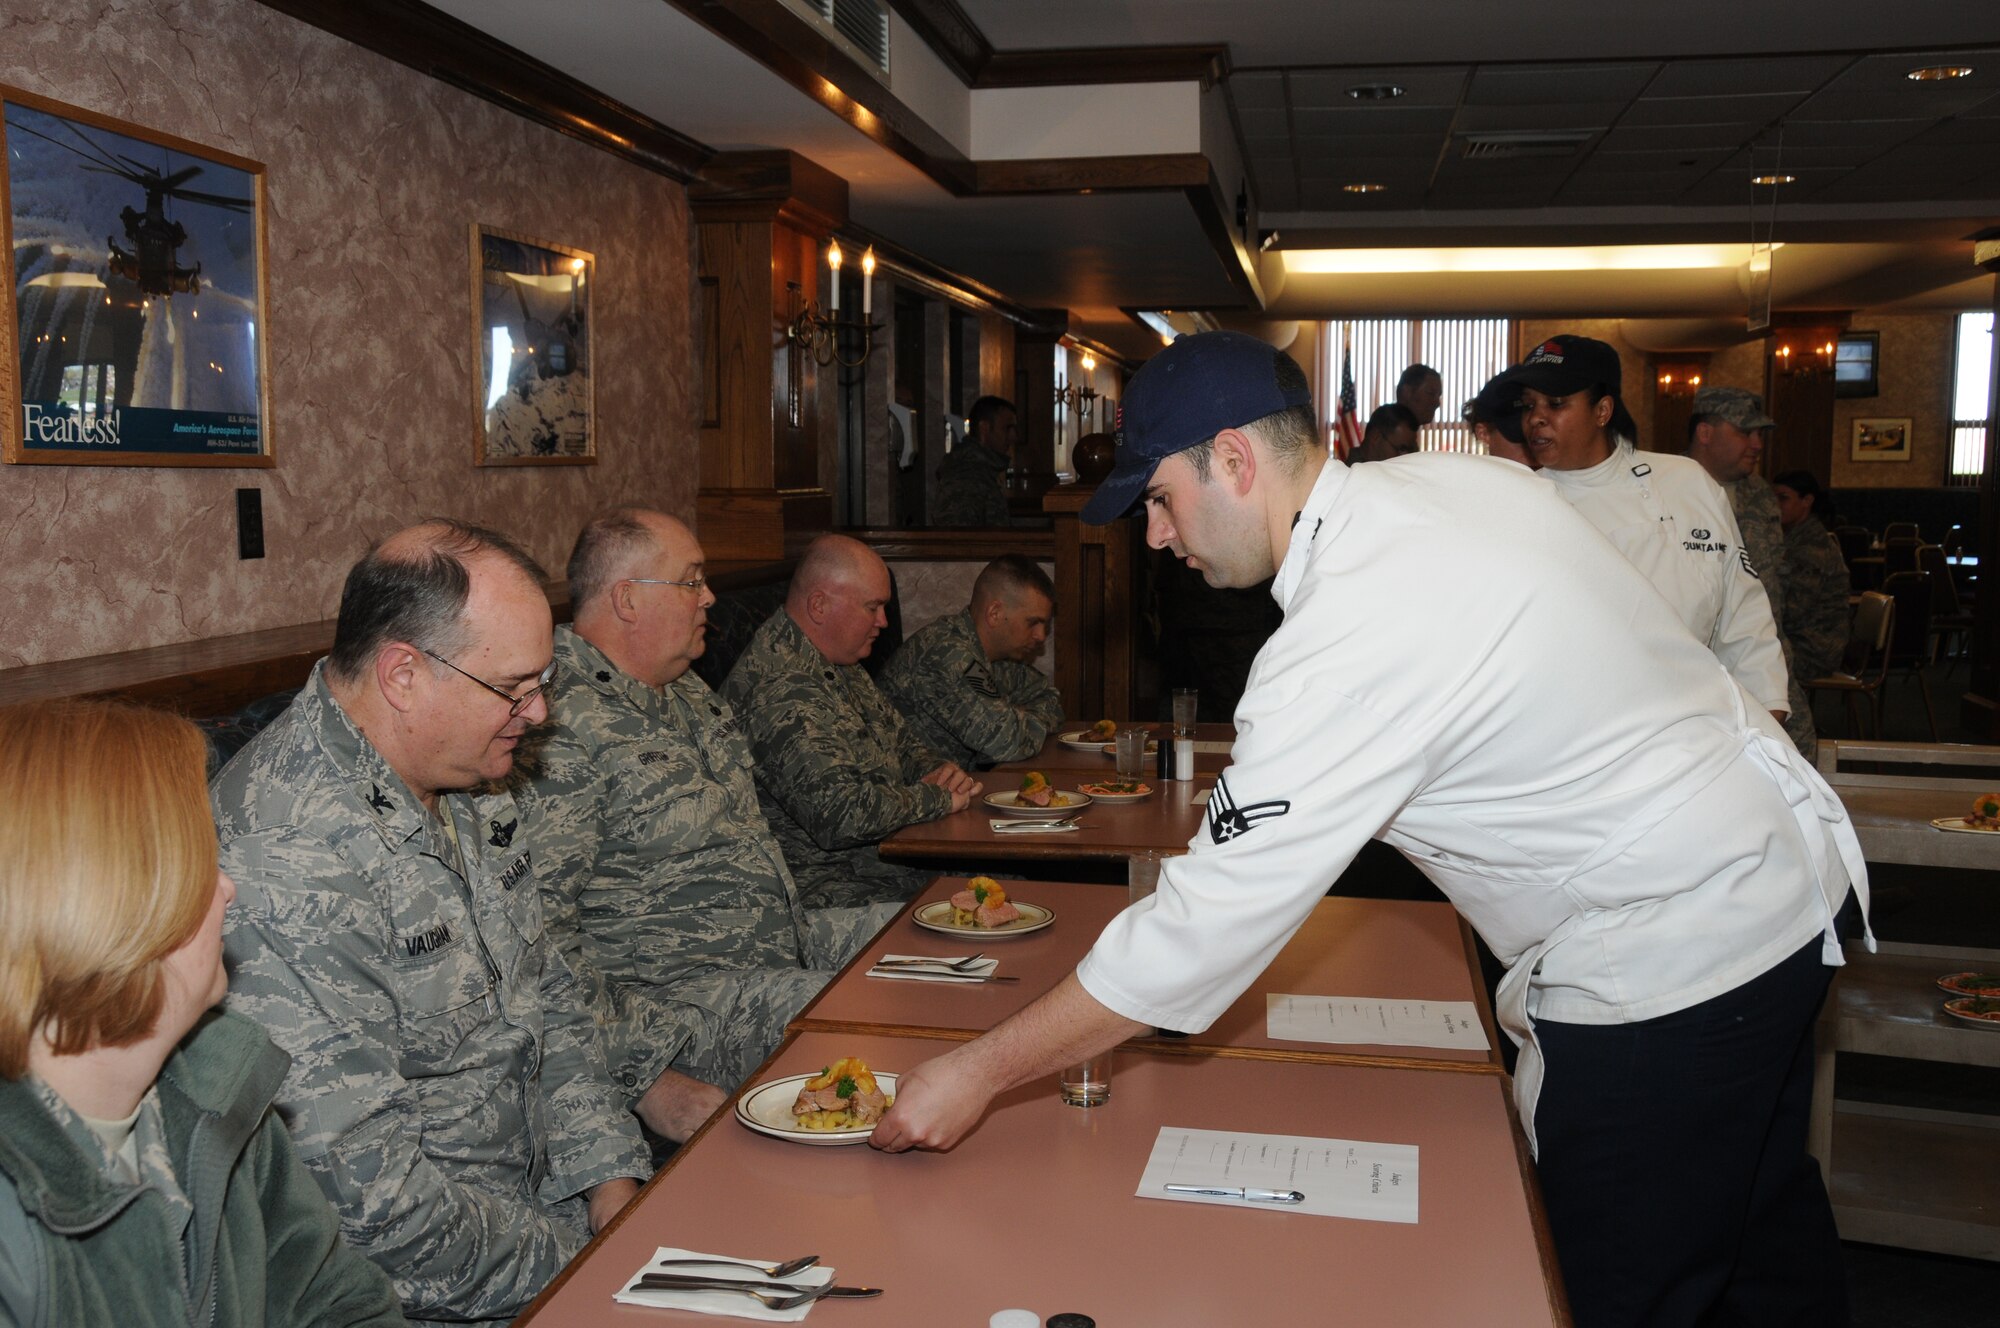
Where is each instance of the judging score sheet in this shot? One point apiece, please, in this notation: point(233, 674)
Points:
point(1339, 1177)
point(1361, 1019)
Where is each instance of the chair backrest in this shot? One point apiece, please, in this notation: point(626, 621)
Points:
point(1944, 589)
point(1900, 530)
point(1899, 555)
point(1910, 642)
point(1855, 542)
point(1954, 542)
point(1868, 644)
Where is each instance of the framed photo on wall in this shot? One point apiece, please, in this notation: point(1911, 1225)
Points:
point(134, 329)
point(533, 400)
point(1880, 440)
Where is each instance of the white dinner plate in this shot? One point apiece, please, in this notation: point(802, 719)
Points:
point(1010, 804)
point(1076, 742)
point(1983, 1011)
point(767, 1109)
point(937, 917)
point(1114, 799)
point(1959, 825)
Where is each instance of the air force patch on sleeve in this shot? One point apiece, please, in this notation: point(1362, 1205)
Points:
point(1226, 820)
point(976, 677)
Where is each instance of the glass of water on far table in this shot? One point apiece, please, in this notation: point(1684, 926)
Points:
point(1131, 748)
point(1186, 704)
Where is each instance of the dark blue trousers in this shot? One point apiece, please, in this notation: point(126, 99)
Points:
point(1674, 1166)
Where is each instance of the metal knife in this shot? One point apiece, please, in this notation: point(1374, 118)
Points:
point(688, 1282)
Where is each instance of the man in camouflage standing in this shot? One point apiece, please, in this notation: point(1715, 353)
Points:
point(971, 481)
point(968, 682)
point(448, 1087)
point(837, 768)
point(663, 884)
point(1817, 583)
point(1726, 435)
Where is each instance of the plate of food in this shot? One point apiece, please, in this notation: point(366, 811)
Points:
point(982, 908)
point(1037, 799)
point(1090, 739)
point(1971, 984)
point(1981, 1010)
point(1117, 791)
point(1984, 820)
point(839, 1105)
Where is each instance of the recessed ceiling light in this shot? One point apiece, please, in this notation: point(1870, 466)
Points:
point(1774, 179)
point(1384, 91)
point(1938, 73)
point(1363, 187)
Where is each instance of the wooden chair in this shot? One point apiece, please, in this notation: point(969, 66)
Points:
point(1868, 660)
point(1910, 643)
point(1951, 617)
point(1900, 530)
point(1899, 555)
point(1855, 542)
point(1953, 543)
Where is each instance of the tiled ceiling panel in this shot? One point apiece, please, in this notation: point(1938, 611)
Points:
point(1719, 78)
point(1514, 85)
point(1750, 108)
point(1425, 86)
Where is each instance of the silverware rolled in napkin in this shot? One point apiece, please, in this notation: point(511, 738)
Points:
point(688, 1282)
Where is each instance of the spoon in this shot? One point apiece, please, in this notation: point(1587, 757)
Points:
point(779, 1271)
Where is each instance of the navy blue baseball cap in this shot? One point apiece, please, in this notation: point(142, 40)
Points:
point(1185, 395)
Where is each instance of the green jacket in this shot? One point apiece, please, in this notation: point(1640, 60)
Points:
point(262, 1246)
point(969, 488)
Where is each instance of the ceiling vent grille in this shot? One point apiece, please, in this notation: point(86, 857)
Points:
point(862, 26)
point(1499, 144)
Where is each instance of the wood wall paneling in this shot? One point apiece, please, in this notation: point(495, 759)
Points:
point(736, 257)
point(1799, 396)
point(1097, 611)
point(935, 403)
point(996, 356)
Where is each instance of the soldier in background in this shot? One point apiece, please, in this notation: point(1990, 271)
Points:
point(448, 1087)
point(1391, 432)
point(1816, 579)
point(968, 682)
point(663, 884)
point(1726, 435)
point(972, 480)
point(837, 768)
point(1420, 391)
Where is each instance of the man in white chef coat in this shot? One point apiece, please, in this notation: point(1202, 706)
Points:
point(1519, 712)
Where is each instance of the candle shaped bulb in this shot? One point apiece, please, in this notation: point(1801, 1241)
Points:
point(1089, 362)
point(867, 282)
point(833, 262)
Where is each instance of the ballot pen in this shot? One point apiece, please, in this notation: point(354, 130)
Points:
point(1250, 1193)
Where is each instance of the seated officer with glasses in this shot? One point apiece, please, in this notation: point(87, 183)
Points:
point(448, 1086)
point(661, 879)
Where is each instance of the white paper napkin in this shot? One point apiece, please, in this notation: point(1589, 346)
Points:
point(1201, 798)
point(1029, 828)
point(733, 1303)
point(984, 969)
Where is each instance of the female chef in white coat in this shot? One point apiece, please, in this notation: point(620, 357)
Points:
point(1664, 513)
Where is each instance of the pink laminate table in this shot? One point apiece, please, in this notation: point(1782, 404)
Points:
point(1347, 947)
point(1164, 822)
point(1036, 1208)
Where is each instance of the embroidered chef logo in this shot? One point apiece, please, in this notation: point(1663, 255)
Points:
point(1226, 820)
point(1702, 543)
point(503, 835)
point(1700, 534)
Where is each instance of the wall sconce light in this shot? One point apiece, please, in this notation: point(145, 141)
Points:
point(820, 332)
point(1079, 398)
point(1810, 362)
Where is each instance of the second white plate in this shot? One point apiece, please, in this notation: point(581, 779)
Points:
point(767, 1109)
point(937, 917)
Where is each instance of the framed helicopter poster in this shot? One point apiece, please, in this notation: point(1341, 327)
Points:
point(134, 324)
point(533, 404)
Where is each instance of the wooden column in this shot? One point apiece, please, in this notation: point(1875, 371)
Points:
point(1097, 609)
point(1980, 707)
point(1034, 472)
point(1799, 395)
point(762, 220)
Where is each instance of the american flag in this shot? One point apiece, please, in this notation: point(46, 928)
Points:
point(1346, 424)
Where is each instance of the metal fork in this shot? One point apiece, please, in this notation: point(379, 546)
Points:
point(965, 965)
point(789, 1299)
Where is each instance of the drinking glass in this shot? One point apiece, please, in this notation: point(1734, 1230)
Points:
point(1087, 1083)
point(1142, 875)
point(1187, 703)
point(1132, 753)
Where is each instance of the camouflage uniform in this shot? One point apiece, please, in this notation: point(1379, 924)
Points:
point(837, 768)
point(1816, 590)
point(662, 883)
point(1756, 506)
point(971, 708)
point(447, 1087)
point(969, 489)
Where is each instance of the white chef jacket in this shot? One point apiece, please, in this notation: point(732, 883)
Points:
point(1677, 526)
point(1470, 672)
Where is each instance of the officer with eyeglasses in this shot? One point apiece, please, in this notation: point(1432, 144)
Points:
point(448, 1086)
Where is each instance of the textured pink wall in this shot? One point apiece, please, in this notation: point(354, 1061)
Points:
point(374, 175)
